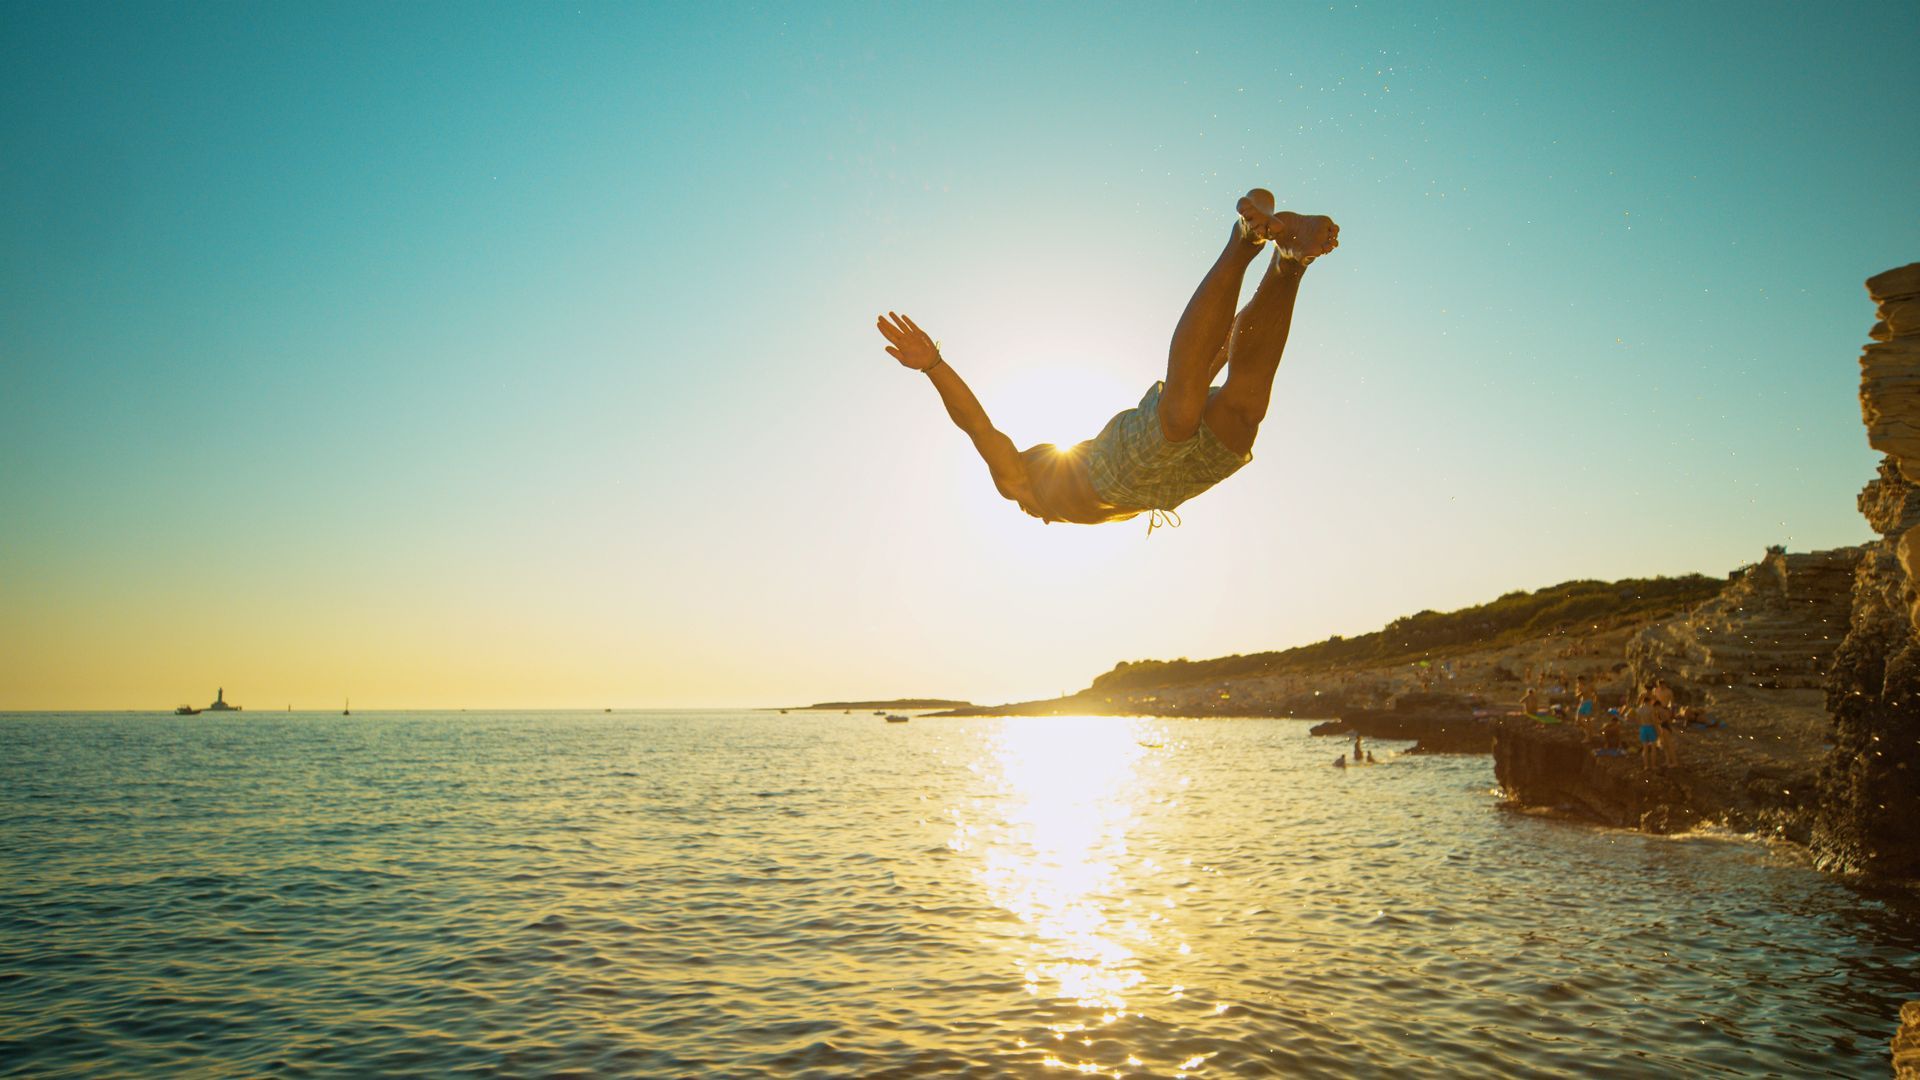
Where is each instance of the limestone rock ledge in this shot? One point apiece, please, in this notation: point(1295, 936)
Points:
point(1549, 767)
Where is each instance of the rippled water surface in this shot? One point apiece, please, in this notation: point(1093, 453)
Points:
point(762, 895)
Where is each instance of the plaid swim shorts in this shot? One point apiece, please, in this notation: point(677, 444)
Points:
point(1134, 467)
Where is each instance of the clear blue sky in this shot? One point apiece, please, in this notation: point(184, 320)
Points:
point(523, 355)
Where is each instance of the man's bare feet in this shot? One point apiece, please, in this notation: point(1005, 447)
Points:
point(1299, 237)
point(1255, 208)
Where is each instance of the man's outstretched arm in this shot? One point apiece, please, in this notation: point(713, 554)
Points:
point(915, 350)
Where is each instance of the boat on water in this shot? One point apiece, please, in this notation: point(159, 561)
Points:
point(895, 718)
point(347, 708)
point(220, 704)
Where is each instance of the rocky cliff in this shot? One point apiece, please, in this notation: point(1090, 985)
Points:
point(1775, 626)
point(1890, 392)
point(1870, 785)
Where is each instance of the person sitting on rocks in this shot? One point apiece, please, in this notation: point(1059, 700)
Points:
point(1611, 733)
point(1183, 437)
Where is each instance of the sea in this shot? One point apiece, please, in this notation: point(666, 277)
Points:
point(749, 894)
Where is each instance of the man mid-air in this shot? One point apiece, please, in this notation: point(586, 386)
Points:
point(1185, 435)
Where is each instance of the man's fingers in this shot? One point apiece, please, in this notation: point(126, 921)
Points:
point(902, 329)
point(895, 353)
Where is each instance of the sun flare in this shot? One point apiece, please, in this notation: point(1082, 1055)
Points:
point(1053, 858)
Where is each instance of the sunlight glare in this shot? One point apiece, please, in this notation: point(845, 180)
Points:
point(1054, 861)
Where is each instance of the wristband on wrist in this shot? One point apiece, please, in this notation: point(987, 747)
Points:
point(937, 361)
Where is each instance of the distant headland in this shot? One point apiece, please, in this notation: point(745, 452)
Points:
point(895, 703)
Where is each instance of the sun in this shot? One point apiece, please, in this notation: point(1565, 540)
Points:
point(1053, 402)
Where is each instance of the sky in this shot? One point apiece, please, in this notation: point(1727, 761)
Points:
point(501, 356)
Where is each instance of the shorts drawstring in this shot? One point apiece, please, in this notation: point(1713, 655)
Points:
point(1156, 518)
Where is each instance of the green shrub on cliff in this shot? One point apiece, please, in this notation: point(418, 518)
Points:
point(1570, 607)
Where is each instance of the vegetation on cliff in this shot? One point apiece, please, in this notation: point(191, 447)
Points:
point(1572, 607)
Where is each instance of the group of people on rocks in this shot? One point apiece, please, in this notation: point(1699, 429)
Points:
point(1651, 715)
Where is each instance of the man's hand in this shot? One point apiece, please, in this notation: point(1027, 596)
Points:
point(911, 345)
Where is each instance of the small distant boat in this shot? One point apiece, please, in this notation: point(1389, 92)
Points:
point(347, 710)
point(895, 718)
point(879, 712)
point(220, 703)
point(186, 710)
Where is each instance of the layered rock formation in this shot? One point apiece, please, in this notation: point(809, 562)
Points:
point(1775, 626)
point(1890, 391)
point(1870, 786)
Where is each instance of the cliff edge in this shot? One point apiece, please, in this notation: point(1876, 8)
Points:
point(1870, 784)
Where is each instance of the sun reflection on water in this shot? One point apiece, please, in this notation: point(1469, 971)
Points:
point(1052, 851)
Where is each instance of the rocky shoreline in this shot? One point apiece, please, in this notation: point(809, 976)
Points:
point(1554, 768)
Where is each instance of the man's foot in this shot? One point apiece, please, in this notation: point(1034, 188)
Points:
point(1298, 237)
point(1255, 206)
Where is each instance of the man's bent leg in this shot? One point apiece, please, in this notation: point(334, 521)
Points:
point(1199, 338)
point(1253, 356)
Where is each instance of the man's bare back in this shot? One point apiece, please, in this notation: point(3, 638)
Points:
point(1185, 435)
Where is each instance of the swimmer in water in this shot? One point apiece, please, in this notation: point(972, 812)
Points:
point(1186, 435)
